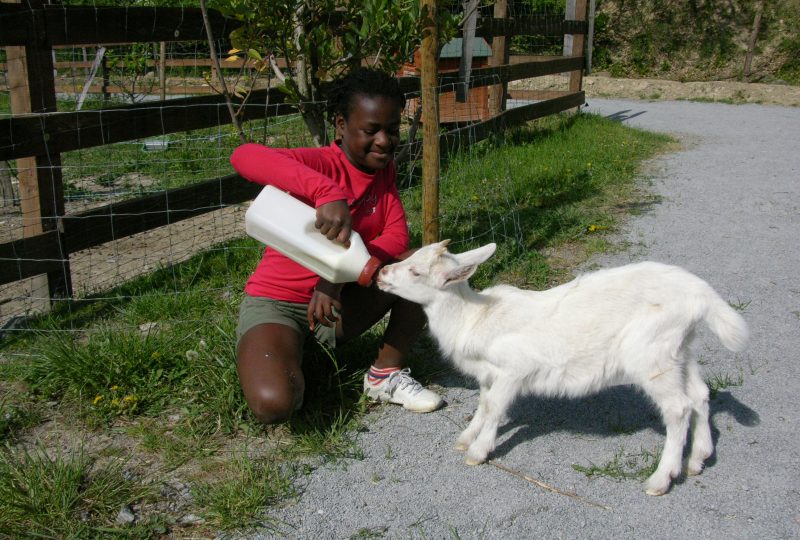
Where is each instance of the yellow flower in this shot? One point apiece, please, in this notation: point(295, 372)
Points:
point(156, 355)
point(114, 388)
point(115, 402)
point(97, 399)
point(129, 399)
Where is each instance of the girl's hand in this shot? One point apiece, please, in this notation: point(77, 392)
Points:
point(335, 222)
point(325, 306)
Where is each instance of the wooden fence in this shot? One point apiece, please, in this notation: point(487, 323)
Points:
point(36, 132)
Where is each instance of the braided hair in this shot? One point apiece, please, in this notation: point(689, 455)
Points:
point(362, 81)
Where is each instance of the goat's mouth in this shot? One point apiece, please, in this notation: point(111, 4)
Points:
point(382, 285)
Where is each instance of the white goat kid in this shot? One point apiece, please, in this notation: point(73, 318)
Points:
point(626, 325)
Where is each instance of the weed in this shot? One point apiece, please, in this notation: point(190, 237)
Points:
point(372, 532)
point(62, 496)
point(624, 467)
point(17, 414)
point(237, 501)
point(740, 305)
point(117, 372)
point(721, 381)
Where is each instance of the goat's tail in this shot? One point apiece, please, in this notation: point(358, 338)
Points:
point(726, 323)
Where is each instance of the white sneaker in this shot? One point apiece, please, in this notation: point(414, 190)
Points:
point(401, 388)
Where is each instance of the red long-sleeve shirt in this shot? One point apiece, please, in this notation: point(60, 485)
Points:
point(318, 176)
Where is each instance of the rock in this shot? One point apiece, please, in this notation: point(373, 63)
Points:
point(191, 519)
point(125, 515)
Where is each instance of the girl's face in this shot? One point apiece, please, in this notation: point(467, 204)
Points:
point(371, 132)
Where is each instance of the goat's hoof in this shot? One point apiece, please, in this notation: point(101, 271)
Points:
point(657, 488)
point(472, 461)
point(460, 446)
point(693, 468)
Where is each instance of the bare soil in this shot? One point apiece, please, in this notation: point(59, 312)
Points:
point(601, 85)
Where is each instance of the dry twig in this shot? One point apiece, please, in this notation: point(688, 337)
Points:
point(548, 487)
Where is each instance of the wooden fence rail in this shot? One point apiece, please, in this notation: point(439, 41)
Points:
point(51, 133)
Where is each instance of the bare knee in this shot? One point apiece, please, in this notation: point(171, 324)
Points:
point(270, 407)
point(268, 364)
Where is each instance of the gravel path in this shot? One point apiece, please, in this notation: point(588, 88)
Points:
point(729, 212)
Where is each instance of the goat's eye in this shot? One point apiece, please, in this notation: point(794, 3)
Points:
point(414, 272)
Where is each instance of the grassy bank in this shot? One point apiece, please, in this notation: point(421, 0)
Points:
point(139, 385)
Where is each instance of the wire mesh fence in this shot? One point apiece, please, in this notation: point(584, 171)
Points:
point(93, 79)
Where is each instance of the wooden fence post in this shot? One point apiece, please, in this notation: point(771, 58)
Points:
point(162, 69)
point(41, 191)
point(429, 53)
point(574, 43)
point(499, 92)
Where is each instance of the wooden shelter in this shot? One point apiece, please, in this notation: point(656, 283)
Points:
point(451, 111)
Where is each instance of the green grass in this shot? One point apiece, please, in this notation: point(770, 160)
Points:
point(129, 168)
point(17, 414)
point(151, 362)
point(723, 381)
point(248, 486)
point(65, 496)
point(533, 189)
point(624, 466)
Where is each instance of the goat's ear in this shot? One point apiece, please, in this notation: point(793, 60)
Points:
point(458, 274)
point(467, 263)
point(441, 247)
point(476, 256)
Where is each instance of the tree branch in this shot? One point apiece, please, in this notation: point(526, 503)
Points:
point(215, 59)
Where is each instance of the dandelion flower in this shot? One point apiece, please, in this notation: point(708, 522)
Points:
point(97, 399)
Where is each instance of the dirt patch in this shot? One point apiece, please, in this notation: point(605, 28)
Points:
point(603, 86)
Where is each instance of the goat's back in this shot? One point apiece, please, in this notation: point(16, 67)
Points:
point(604, 317)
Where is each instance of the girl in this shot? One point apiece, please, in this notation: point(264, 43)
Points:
point(351, 183)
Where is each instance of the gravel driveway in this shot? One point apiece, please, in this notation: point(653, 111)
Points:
point(729, 212)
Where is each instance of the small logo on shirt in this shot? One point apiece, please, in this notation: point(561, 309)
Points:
point(369, 202)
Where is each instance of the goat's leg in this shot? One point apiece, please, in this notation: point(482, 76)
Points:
point(476, 424)
point(496, 402)
point(667, 390)
point(702, 443)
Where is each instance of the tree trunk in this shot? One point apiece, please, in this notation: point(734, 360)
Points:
point(312, 111)
point(753, 38)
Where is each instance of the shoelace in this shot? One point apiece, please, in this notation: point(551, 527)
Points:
point(403, 379)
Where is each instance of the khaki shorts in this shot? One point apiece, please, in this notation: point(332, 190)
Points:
point(255, 310)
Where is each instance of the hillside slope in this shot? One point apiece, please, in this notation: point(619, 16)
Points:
point(698, 40)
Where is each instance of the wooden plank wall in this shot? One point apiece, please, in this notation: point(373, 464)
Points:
point(60, 132)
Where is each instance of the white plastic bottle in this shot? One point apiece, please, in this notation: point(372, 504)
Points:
point(287, 225)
